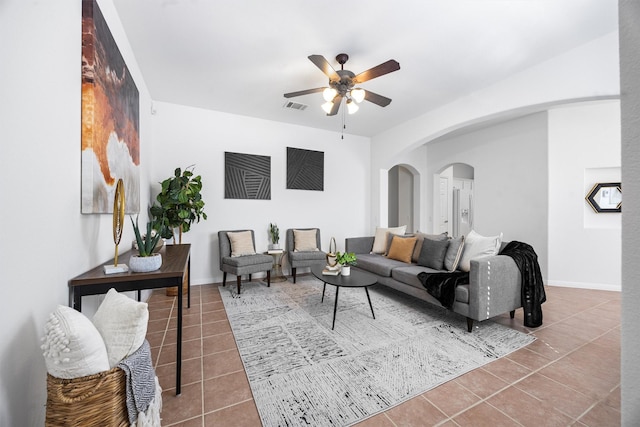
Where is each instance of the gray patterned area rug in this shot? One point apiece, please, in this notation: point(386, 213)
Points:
point(302, 373)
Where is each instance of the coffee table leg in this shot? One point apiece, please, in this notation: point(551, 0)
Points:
point(370, 306)
point(335, 307)
point(324, 286)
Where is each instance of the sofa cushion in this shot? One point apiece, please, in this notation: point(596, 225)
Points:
point(241, 243)
point(476, 246)
point(305, 240)
point(378, 264)
point(454, 253)
point(381, 237)
point(420, 237)
point(401, 248)
point(432, 253)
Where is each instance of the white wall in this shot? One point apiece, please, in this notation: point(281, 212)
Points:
point(587, 72)
point(46, 241)
point(630, 106)
point(583, 139)
point(510, 178)
point(183, 136)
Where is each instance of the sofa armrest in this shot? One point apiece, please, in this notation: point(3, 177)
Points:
point(494, 286)
point(359, 245)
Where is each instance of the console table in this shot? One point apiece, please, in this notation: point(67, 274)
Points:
point(175, 269)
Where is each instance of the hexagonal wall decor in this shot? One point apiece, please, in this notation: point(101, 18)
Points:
point(605, 197)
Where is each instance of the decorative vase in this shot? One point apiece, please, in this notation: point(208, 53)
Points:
point(144, 264)
point(345, 270)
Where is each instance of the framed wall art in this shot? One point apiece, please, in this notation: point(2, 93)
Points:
point(110, 119)
point(247, 176)
point(305, 169)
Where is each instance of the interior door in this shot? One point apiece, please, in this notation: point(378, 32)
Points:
point(444, 205)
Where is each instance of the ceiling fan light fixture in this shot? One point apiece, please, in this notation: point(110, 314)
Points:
point(327, 107)
point(329, 93)
point(352, 107)
point(358, 95)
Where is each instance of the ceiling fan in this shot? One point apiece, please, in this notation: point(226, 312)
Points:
point(342, 84)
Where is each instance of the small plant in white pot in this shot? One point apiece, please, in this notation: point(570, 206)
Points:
point(274, 234)
point(346, 260)
point(146, 260)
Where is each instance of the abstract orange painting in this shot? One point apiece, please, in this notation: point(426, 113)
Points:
point(110, 119)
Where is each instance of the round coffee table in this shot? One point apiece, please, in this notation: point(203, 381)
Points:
point(357, 279)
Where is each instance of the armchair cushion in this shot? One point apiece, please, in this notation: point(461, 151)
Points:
point(241, 243)
point(305, 240)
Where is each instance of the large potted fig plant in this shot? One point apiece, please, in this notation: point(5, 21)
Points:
point(179, 204)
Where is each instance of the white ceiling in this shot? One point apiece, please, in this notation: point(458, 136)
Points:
point(241, 56)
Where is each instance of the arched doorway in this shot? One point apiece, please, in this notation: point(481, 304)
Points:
point(453, 199)
point(402, 197)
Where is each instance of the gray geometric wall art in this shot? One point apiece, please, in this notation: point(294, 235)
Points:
point(305, 169)
point(247, 176)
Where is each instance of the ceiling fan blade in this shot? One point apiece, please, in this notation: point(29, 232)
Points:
point(336, 105)
point(325, 67)
point(377, 71)
point(380, 100)
point(303, 92)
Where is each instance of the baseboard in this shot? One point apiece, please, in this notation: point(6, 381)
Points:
point(582, 285)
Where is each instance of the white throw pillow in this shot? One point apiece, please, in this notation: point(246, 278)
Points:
point(122, 322)
point(380, 240)
point(241, 243)
point(72, 346)
point(476, 246)
point(305, 240)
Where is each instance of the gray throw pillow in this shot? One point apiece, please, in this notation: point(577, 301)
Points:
point(454, 253)
point(432, 253)
point(420, 238)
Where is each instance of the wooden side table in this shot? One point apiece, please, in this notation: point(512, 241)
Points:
point(276, 271)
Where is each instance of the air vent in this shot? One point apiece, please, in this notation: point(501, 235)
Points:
point(295, 105)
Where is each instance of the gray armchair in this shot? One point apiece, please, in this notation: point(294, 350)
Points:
point(244, 264)
point(303, 258)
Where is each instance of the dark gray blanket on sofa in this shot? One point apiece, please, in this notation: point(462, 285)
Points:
point(442, 286)
point(533, 294)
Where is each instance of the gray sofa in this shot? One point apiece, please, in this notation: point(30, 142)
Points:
point(494, 281)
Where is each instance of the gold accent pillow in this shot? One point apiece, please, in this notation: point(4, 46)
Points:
point(401, 249)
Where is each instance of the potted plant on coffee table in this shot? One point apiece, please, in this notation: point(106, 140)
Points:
point(146, 260)
point(346, 260)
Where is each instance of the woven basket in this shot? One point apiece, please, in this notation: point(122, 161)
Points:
point(94, 400)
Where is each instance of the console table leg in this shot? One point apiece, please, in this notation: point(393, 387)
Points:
point(324, 286)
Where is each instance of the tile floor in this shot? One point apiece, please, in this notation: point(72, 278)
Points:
point(569, 376)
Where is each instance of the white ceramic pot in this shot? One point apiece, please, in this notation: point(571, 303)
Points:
point(345, 270)
point(144, 264)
